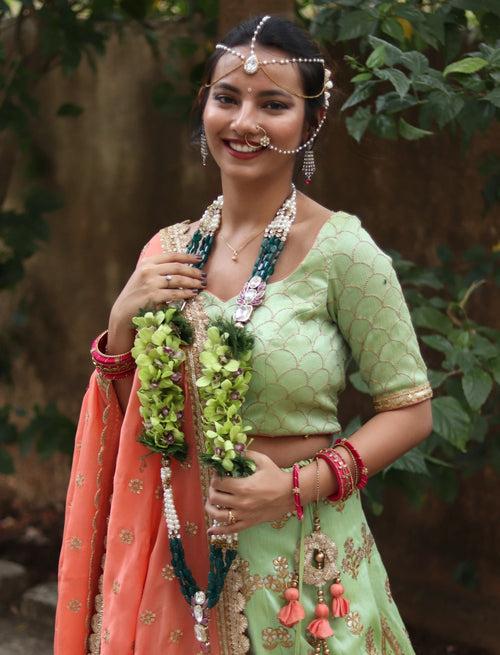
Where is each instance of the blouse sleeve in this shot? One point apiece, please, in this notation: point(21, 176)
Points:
point(366, 301)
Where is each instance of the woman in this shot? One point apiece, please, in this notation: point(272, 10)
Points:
point(307, 576)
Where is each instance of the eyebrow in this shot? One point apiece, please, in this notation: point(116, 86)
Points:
point(262, 94)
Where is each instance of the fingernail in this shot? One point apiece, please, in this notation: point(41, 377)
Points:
point(204, 283)
point(195, 291)
point(198, 257)
point(204, 275)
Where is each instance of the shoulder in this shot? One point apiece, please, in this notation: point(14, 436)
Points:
point(163, 240)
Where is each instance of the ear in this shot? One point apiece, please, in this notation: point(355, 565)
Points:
point(308, 129)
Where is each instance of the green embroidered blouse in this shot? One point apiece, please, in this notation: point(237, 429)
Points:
point(343, 300)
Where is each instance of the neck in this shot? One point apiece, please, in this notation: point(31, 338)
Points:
point(249, 206)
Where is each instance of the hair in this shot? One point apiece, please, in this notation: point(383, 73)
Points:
point(280, 33)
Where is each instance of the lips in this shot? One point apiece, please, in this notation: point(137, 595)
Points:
point(242, 150)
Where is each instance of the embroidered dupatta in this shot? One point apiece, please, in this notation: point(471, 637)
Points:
point(117, 590)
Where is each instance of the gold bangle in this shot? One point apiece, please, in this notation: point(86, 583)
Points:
point(317, 480)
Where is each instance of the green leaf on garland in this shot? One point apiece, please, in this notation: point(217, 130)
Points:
point(239, 340)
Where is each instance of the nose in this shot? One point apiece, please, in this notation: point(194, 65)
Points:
point(245, 120)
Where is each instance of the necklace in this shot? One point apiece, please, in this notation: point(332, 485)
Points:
point(226, 373)
point(237, 252)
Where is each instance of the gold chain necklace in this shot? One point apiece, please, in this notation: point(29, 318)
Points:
point(235, 251)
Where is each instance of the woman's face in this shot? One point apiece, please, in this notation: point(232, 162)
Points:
point(238, 102)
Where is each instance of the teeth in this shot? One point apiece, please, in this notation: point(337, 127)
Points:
point(239, 147)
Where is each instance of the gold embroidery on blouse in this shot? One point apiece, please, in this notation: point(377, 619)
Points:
point(355, 556)
point(388, 590)
point(191, 528)
point(176, 635)
point(403, 398)
point(74, 605)
point(136, 485)
point(353, 623)
point(75, 543)
point(274, 637)
point(147, 617)
point(126, 536)
point(80, 480)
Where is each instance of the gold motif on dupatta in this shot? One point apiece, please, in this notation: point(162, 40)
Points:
point(136, 486)
point(75, 543)
point(94, 644)
point(167, 572)
point(389, 643)
point(353, 623)
point(127, 536)
point(176, 635)
point(148, 617)
point(355, 556)
point(274, 637)
point(231, 621)
point(80, 480)
point(74, 605)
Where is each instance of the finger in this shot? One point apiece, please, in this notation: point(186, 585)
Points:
point(181, 282)
point(166, 296)
point(177, 268)
point(227, 529)
point(165, 258)
point(219, 515)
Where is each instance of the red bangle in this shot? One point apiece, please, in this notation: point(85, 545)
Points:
point(341, 472)
point(112, 367)
point(360, 465)
point(296, 492)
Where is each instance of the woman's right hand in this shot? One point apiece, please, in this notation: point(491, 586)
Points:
point(148, 287)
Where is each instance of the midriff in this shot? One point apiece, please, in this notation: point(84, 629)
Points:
point(285, 450)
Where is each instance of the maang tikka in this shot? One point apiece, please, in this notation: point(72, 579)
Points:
point(203, 147)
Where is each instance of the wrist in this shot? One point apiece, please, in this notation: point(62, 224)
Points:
point(120, 336)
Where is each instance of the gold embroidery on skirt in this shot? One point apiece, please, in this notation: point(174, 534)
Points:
point(355, 556)
point(388, 590)
point(389, 643)
point(353, 623)
point(274, 637)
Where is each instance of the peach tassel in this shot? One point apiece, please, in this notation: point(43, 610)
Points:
point(319, 627)
point(293, 612)
point(340, 605)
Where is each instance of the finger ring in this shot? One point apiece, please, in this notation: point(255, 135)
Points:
point(168, 278)
point(231, 518)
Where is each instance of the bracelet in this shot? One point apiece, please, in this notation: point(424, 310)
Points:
point(296, 492)
point(111, 367)
point(341, 471)
point(351, 457)
point(362, 471)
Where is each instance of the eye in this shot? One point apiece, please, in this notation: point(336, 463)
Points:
point(224, 99)
point(275, 105)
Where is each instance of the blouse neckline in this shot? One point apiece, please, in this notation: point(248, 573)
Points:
point(285, 279)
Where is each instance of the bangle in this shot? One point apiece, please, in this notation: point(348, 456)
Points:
point(351, 457)
point(296, 492)
point(362, 471)
point(112, 367)
point(341, 472)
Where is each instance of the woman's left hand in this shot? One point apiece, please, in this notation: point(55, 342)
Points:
point(266, 495)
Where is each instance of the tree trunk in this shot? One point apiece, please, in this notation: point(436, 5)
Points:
point(233, 12)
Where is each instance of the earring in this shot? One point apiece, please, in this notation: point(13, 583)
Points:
point(308, 165)
point(203, 147)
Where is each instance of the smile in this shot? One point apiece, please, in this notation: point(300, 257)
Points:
point(242, 150)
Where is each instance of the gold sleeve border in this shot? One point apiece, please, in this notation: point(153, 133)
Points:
point(404, 398)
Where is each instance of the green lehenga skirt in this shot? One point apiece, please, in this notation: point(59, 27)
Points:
point(267, 561)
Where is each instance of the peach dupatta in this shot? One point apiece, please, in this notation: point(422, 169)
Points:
point(117, 590)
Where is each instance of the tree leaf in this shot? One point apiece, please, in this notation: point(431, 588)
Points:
point(355, 24)
point(437, 342)
point(450, 421)
point(411, 462)
point(415, 62)
point(393, 55)
point(467, 66)
point(436, 378)
point(493, 97)
point(6, 462)
point(431, 318)
point(477, 385)
point(494, 366)
point(358, 122)
point(410, 132)
point(361, 92)
point(393, 28)
point(384, 126)
point(377, 57)
point(397, 78)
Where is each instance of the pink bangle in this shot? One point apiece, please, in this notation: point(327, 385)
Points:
point(360, 465)
point(341, 472)
point(112, 367)
point(296, 492)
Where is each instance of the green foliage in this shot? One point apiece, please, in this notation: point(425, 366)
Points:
point(464, 373)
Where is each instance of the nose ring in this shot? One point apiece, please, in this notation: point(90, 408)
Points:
point(264, 139)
